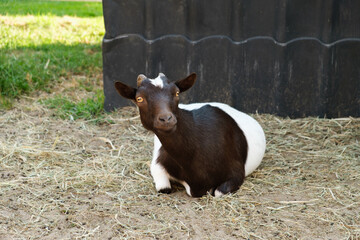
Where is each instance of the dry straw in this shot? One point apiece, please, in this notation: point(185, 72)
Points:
point(76, 180)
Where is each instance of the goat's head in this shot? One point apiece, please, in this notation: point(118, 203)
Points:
point(157, 100)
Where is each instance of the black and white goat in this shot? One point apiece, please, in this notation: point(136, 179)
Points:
point(207, 147)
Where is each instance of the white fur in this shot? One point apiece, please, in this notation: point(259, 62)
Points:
point(187, 187)
point(158, 82)
point(218, 193)
point(158, 172)
point(252, 130)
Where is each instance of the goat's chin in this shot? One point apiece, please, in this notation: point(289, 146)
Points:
point(165, 129)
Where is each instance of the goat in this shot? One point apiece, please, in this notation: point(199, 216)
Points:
point(206, 147)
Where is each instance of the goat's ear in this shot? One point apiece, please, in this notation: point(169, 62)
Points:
point(186, 83)
point(125, 90)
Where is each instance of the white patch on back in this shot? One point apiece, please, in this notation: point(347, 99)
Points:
point(158, 82)
point(252, 130)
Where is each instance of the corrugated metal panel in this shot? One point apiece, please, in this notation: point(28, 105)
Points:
point(292, 58)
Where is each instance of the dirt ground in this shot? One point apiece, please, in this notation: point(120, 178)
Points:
point(63, 179)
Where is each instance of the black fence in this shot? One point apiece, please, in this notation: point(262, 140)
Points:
point(287, 57)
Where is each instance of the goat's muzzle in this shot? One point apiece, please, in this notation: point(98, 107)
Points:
point(165, 122)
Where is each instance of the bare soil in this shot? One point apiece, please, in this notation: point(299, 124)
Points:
point(63, 179)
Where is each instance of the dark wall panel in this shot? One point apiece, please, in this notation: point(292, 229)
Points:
point(291, 58)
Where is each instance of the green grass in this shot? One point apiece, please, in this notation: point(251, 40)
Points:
point(89, 109)
point(58, 8)
point(39, 50)
point(28, 69)
point(36, 31)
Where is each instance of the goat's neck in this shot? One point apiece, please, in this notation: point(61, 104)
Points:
point(179, 143)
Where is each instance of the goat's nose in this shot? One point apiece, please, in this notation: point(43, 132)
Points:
point(165, 117)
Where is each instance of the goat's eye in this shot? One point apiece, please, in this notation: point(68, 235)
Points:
point(139, 99)
point(177, 93)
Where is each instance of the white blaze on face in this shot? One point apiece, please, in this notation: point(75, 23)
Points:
point(158, 82)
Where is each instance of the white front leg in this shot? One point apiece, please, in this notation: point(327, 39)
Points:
point(158, 172)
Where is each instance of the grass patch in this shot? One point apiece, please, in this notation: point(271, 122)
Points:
point(58, 8)
point(38, 51)
point(36, 31)
point(26, 70)
point(87, 109)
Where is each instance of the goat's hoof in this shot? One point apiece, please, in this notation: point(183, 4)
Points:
point(165, 190)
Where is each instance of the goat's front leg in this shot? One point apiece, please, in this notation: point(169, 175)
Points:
point(158, 172)
point(161, 178)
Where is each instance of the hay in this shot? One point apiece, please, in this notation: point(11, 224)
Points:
point(76, 180)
